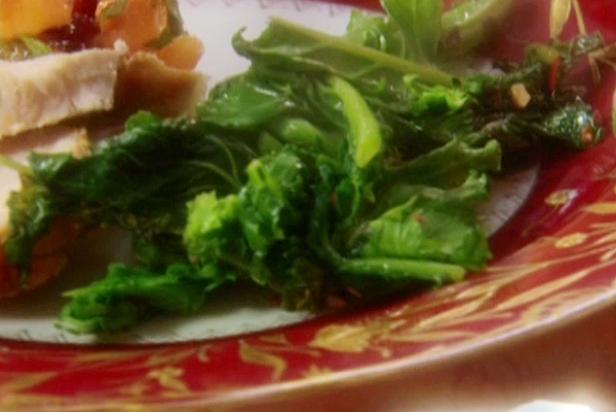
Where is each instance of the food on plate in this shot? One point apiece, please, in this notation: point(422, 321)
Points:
point(86, 62)
point(70, 71)
point(148, 83)
point(337, 169)
point(49, 256)
point(44, 91)
point(62, 86)
point(31, 17)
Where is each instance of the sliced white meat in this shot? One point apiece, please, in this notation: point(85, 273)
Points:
point(46, 90)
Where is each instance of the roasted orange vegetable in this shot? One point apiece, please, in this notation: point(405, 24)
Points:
point(183, 52)
point(136, 22)
point(31, 17)
point(49, 259)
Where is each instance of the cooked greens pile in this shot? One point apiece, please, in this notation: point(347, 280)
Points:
point(334, 167)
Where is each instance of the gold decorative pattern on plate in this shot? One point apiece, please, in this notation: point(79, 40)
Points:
point(354, 338)
point(170, 358)
point(315, 372)
point(574, 239)
point(253, 355)
point(561, 197)
point(568, 271)
point(22, 382)
point(170, 378)
point(603, 208)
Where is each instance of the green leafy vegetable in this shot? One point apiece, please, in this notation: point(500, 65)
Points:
point(334, 166)
point(212, 227)
point(420, 21)
point(271, 201)
point(174, 28)
point(425, 100)
point(23, 48)
point(456, 159)
point(376, 32)
point(117, 301)
point(126, 182)
point(35, 46)
point(293, 47)
point(243, 104)
point(32, 213)
point(433, 224)
point(255, 234)
point(359, 272)
point(365, 134)
point(468, 24)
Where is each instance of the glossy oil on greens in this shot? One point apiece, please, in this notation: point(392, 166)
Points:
point(335, 167)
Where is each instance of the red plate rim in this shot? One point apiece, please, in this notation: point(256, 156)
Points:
point(564, 229)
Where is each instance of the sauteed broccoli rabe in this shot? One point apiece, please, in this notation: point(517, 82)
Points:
point(335, 166)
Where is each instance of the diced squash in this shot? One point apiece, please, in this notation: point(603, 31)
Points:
point(31, 17)
point(49, 259)
point(136, 22)
point(183, 52)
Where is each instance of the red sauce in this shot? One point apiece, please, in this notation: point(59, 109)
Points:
point(80, 33)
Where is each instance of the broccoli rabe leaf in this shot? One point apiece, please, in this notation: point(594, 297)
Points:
point(140, 181)
point(304, 134)
point(272, 201)
point(290, 46)
point(333, 165)
point(439, 114)
point(379, 276)
point(470, 22)
point(158, 251)
point(372, 276)
point(213, 228)
point(32, 211)
point(434, 100)
point(128, 295)
point(420, 21)
point(257, 233)
point(433, 224)
point(283, 107)
point(432, 238)
point(242, 103)
point(365, 139)
point(376, 32)
point(122, 174)
point(455, 160)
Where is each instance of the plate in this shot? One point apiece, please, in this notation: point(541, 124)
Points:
point(32, 317)
point(555, 261)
